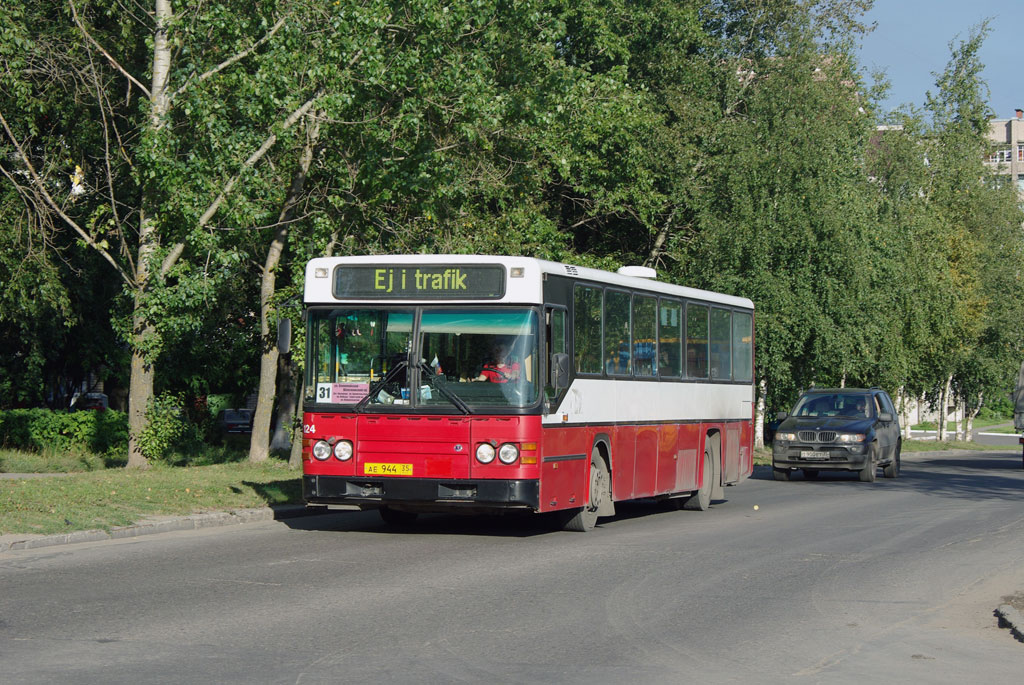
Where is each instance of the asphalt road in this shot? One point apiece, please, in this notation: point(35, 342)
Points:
point(834, 581)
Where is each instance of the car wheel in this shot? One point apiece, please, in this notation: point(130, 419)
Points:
point(892, 469)
point(811, 474)
point(867, 474)
point(781, 474)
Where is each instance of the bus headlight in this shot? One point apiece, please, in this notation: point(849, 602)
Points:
point(321, 450)
point(508, 453)
point(485, 453)
point(343, 450)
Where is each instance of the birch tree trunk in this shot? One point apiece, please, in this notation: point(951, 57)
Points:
point(759, 412)
point(904, 410)
point(259, 445)
point(943, 405)
point(140, 384)
point(969, 417)
point(960, 417)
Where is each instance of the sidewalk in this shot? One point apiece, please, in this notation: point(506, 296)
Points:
point(160, 524)
point(1010, 615)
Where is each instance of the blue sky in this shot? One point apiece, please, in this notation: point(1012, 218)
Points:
point(911, 43)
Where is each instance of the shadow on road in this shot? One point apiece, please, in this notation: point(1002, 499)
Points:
point(956, 475)
point(982, 475)
point(512, 525)
point(961, 475)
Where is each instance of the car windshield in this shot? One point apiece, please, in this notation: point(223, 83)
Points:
point(819, 405)
point(463, 360)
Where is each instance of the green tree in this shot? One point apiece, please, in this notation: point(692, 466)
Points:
point(786, 217)
point(136, 113)
point(956, 190)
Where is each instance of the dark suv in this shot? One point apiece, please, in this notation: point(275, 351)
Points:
point(838, 429)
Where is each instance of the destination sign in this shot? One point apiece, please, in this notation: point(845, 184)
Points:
point(420, 281)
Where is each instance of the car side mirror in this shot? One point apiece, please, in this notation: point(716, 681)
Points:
point(885, 417)
point(560, 371)
point(781, 416)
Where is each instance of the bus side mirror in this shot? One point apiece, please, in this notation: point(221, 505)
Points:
point(560, 371)
point(284, 336)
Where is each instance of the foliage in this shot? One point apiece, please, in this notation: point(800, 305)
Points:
point(732, 144)
point(997, 408)
point(167, 430)
point(41, 430)
point(786, 220)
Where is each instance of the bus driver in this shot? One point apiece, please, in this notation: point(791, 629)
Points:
point(500, 369)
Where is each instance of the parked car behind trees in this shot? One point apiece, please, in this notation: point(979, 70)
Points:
point(234, 423)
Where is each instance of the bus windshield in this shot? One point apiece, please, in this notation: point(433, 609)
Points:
point(463, 360)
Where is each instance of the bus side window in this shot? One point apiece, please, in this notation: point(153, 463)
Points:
point(721, 348)
point(586, 324)
point(645, 330)
point(670, 339)
point(742, 347)
point(696, 340)
point(617, 340)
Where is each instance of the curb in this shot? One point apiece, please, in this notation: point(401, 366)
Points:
point(163, 525)
point(1012, 619)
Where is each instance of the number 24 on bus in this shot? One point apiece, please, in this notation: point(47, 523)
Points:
point(448, 383)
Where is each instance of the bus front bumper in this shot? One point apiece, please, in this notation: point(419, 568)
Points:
point(421, 493)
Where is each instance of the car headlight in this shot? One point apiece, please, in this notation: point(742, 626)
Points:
point(508, 453)
point(785, 436)
point(343, 450)
point(321, 450)
point(485, 453)
point(850, 437)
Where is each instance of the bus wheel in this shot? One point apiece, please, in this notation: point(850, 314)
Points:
point(582, 520)
point(396, 517)
point(701, 500)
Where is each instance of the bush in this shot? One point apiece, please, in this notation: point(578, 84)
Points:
point(40, 430)
point(168, 430)
point(996, 409)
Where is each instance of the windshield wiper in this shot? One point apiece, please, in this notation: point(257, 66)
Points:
point(388, 377)
point(440, 387)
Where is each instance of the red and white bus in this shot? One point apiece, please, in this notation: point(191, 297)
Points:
point(482, 383)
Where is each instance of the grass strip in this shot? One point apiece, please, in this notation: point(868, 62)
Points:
point(934, 446)
point(119, 497)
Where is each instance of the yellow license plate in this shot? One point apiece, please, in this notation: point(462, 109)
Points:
point(387, 469)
